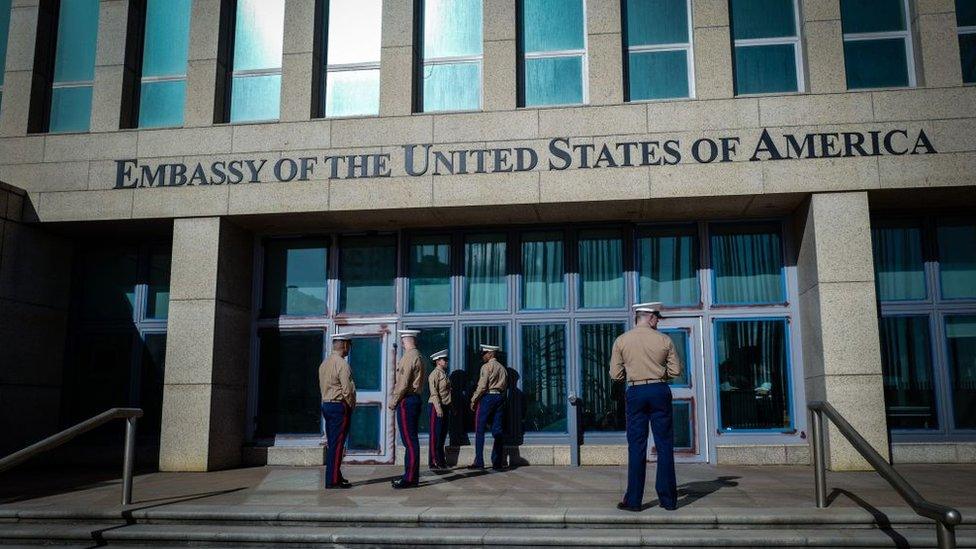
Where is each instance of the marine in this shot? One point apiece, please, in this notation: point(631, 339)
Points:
point(647, 360)
point(405, 401)
point(440, 410)
point(338, 402)
point(486, 403)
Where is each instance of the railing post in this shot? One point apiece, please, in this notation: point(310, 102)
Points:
point(574, 431)
point(946, 535)
point(819, 471)
point(127, 458)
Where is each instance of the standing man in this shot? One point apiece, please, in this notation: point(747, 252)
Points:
point(647, 359)
point(440, 409)
point(486, 402)
point(338, 400)
point(405, 401)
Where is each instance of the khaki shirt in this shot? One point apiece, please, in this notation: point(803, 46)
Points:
point(644, 353)
point(440, 387)
point(409, 375)
point(335, 380)
point(493, 378)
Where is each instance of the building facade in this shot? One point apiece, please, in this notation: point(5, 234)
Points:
point(197, 193)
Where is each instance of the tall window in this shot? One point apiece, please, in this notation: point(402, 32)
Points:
point(451, 52)
point(767, 46)
point(925, 272)
point(352, 67)
point(544, 377)
point(966, 20)
point(747, 264)
point(753, 374)
point(429, 274)
point(255, 82)
point(4, 34)
point(658, 39)
point(162, 90)
point(668, 266)
point(601, 269)
point(553, 41)
point(74, 66)
point(295, 277)
point(543, 273)
point(367, 269)
point(485, 270)
point(877, 43)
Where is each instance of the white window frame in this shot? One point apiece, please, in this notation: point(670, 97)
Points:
point(779, 41)
point(904, 35)
point(331, 68)
point(455, 60)
point(582, 53)
point(687, 47)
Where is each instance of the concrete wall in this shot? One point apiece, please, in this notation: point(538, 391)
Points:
point(35, 275)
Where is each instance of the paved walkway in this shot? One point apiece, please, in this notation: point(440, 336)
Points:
point(537, 487)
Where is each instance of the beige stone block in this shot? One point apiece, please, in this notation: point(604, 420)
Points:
point(177, 142)
point(235, 266)
point(368, 132)
point(486, 126)
point(605, 62)
point(824, 56)
point(602, 17)
point(296, 87)
point(934, 6)
point(923, 452)
point(812, 341)
point(184, 440)
point(112, 21)
point(499, 20)
point(953, 135)
point(36, 268)
point(16, 103)
point(940, 170)
point(50, 176)
point(72, 147)
point(849, 328)
point(593, 184)
point(190, 340)
point(710, 13)
point(821, 174)
point(713, 67)
point(703, 115)
point(560, 455)
point(20, 41)
point(201, 81)
point(860, 400)
point(294, 456)
point(499, 84)
point(529, 454)
point(396, 81)
point(85, 205)
point(398, 20)
point(102, 174)
point(22, 3)
point(939, 49)
point(284, 136)
point(798, 454)
point(820, 10)
point(15, 207)
point(843, 238)
point(196, 249)
point(480, 189)
point(299, 26)
point(21, 149)
point(230, 346)
point(180, 201)
point(798, 110)
point(593, 121)
point(751, 455)
point(603, 454)
point(380, 193)
point(924, 103)
point(684, 180)
point(204, 29)
point(226, 427)
point(965, 452)
point(292, 197)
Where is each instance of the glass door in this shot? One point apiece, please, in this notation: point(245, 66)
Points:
point(371, 434)
point(687, 391)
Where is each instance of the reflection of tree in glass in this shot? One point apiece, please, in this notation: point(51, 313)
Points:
point(603, 399)
point(544, 381)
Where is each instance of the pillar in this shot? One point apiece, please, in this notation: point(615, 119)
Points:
point(19, 70)
point(936, 44)
point(823, 46)
point(109, 65)
point(204, 73)
point(713, 49)
point(839, 320)
point(500, 55)
point(207, 346)
point(605, 53)
point(397, 57)
point(297, 63)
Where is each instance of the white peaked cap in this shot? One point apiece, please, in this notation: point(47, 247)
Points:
point(439, 354)
point(341, 337)
point(408, 333)
point(650, 307)
point(485, 347)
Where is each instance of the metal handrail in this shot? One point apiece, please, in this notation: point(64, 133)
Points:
point(946, 518)
point(129, 414)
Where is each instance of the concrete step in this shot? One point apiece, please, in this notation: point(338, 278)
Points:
point(343, 536)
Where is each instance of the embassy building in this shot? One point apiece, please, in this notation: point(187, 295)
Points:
point(198, 193)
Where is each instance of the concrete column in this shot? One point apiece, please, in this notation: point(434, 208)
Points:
point(296, 62)
point(15, 107)
point(936, 44)
point(823, 43)
point(397, 58)
point(605, 55)
point(207, 346)
point(498, 73)
point(202, 68)
point(841, 348)
point(109, 65)
point(713, 49)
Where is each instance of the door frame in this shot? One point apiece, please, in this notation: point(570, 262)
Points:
point(388, 356)
point(693, 392)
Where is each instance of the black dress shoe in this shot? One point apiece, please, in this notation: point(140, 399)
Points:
point(400, 483)
point(339, 486)
point(673, 508)
point(343, 483)
point(624, 507)
point(474, 467)
point(500, 468)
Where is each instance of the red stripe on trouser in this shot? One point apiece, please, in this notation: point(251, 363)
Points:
point(406, 440)
point(433, 436)
point(340, 443)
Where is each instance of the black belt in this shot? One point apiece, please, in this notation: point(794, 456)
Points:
point(644, 382)
point(495, 392)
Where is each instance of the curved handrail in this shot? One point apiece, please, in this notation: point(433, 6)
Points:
point(946, 517)
point(57, 439)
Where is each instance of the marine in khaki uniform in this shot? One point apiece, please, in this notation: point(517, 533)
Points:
point(338, 401)
point(405, 401)
point(647, 359)
point(487, 404)
point(440, 409)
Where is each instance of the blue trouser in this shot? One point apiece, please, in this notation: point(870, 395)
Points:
point(438, 436)
point(489, 410)
point(408, 412)
point(336, 415)
point(650, 403)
